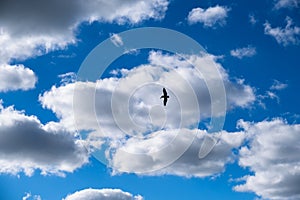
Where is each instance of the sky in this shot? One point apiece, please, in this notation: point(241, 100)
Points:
point(80, 109)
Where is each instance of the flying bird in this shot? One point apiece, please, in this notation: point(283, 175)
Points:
point(165, 96)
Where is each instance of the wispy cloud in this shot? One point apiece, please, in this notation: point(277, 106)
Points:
point(252, 19)
point(289, 35)
point(277, 85)
point(243, 52)
point(209, 17)
point(286, 4)
point(29, 196)
point(116, 39)
point(69, 77)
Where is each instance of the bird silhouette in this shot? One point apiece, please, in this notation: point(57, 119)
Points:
point(165, 96)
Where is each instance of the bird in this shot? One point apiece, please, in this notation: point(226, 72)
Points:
point(165, 96)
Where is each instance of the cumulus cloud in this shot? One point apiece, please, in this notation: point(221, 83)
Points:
point(286, 4)
point(143, 84)
point(273, 157)
point(209, 17)
point(16, 77)
point(243, 52)
point(103, 194)
point(289, 35)
point(50, 25)
point(27, 145)
point(120, 109)
point(163, 148)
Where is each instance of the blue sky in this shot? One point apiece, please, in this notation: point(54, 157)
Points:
point(66, 135)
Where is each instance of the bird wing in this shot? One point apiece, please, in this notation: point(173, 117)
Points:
point(165, 92)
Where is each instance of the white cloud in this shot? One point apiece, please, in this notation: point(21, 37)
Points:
point(252, 19)
point(29, 196)
point(173, 72)
point(27, 145)
point(117, 109)
point(69, 77)
point(289, 35)
point(277, 85)
point(210, 16)
point(273, 157)
point(243, 52)
point(116, 39)
point(50, 25)
point(272, 93)
point(286, 4)
point(103, 194)
point(16, 77)
point(150, 156)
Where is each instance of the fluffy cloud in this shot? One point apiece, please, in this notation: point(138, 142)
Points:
point(289, 35)
point(123, 108)
point(286, 4)
point(16, 77)
point(103, 194)
point(26, 145)
point(178, 150)
point(50, 25)
point(209, 17)
point(142, 85)
point(273, 157)
point(243, 52)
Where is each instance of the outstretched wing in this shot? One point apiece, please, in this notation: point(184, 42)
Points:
point(165, 92)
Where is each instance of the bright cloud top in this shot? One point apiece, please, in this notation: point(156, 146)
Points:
point(289, 35)
point(103, 194)
point(243, 52)
point(273, 157)
point(209, 17)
